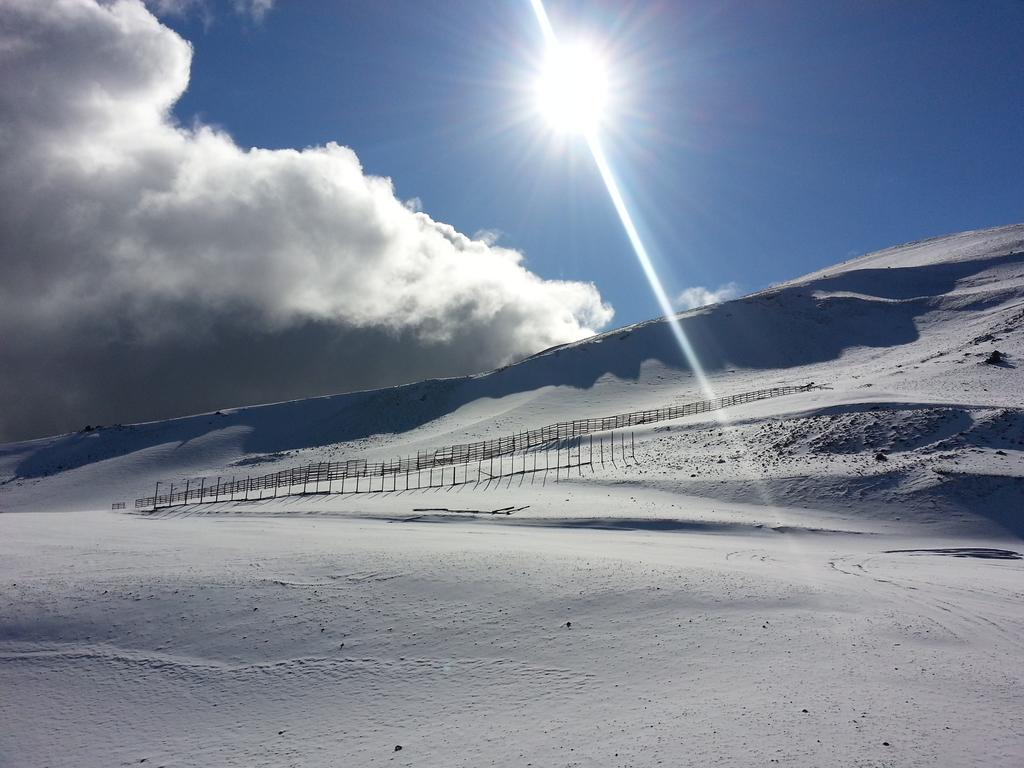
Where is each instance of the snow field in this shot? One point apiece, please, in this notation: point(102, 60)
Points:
point(829, 578)
point(193, 641)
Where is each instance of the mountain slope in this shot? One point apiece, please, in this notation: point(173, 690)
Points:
point(830, 577)
point(899, 335)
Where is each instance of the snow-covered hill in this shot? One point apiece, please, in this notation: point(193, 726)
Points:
point(826, 578)
point(899, 336)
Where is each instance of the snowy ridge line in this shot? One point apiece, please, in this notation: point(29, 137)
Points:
point(201, 490)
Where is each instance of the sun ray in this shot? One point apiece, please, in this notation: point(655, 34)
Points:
point(589, 128)
point(592, 137)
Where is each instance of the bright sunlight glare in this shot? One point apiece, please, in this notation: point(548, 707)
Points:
point(577, 83)
point(589, 127)
point(572, 91)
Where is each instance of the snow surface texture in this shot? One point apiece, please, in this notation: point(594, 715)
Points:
point(830, 578)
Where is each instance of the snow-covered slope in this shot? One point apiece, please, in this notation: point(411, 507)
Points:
point(899, 336)
point(827, 578)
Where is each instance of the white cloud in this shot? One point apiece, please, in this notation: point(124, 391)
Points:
point(699, 296)
point(488, 236)
point(255, 9)
point(121, 230)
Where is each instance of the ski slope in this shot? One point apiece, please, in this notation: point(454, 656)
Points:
point(829, 577)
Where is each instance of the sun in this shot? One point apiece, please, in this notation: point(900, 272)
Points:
point(572, 89)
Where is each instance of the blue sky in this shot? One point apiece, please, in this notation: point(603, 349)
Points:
point(753, 142)
point(757, 141)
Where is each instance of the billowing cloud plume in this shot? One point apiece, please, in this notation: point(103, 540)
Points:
point(152, 269)
point(699, 296)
